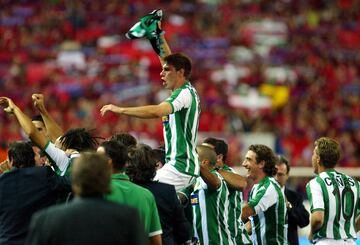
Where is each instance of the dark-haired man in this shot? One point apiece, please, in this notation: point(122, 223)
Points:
point(67, 147)
point(24, 190)
point(266, 208)
point(123, 191)
point(334, 198)
point(88, 219)
point(180, 112)
point(298, 216)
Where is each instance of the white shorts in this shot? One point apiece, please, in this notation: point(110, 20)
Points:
point(168, 174)
point(335, 242)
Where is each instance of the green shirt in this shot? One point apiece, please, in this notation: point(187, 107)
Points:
point(236, 226)
point(210, 213)
point(338, 196)
point(269, 224)
point(181, 129)
point(125, 192)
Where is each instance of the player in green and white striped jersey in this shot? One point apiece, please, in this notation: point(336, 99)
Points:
point(180, 112)
point(266, 208)
point(236, 184)
point(333, 196)
point(210, 203)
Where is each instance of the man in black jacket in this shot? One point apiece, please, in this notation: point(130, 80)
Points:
point(298, 216)
point(24, 190)
point(89, 218)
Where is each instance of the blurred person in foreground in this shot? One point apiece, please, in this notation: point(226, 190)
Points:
point(180, 112)
point(123, 191)
point(334, 198)
point(266, 208)
point(89, 218)
point(24, 190)
point(141, 169)
point(236, 184)
point(298, 216)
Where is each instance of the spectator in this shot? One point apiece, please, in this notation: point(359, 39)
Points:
point(125, 192)
point(88, 219)
point(24, 190)
point(141, 169)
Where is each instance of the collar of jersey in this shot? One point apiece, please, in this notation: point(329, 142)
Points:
point(120, 176)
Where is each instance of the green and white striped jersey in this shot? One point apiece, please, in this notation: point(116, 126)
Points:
point(60, 161)
point(236, 226)
point(210, 213)
point(181, 128)
point(269, 225)
point(338, 196)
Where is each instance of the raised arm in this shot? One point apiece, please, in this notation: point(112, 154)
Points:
point(213, 182)
point(24, 121)
point(54, 131)
point(148, 111)
point(160, 45)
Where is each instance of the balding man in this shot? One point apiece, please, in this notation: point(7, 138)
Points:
point(210, 202)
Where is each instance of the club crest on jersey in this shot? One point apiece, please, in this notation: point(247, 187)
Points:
point(194, 198)
point(165, 119)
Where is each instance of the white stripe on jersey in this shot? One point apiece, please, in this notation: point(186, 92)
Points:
point(187, 145)
point(173, 139)
point(217, 212)
point(202, 204)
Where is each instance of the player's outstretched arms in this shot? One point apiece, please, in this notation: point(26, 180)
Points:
point(148, 111)
point(53, 129)
point(24, 121)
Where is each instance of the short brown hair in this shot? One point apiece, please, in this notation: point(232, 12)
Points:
point(328, 151)
point(264, 153)
point(91, 175)
point(179, 61)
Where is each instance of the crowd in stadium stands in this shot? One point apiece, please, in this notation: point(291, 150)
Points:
point(287, 67)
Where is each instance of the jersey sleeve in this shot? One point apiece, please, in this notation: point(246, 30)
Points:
point(57, 156)
point(315, 195)
point(180, 99)
point(264, 198)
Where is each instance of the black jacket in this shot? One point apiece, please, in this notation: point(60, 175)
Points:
point(87, 221)
point(298, 216)
point(23, 191)
point(176, 229)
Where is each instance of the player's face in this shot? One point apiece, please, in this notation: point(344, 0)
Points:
point(315, 161)
point(281, 175)
point(169, 76)
point(250, 165)
point(39, 160)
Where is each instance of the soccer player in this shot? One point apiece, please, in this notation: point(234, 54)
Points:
point(333, 196)
point(210, 203)
point(68, 146)
point(235, 184)
point(266, 208)
point(180, 112)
